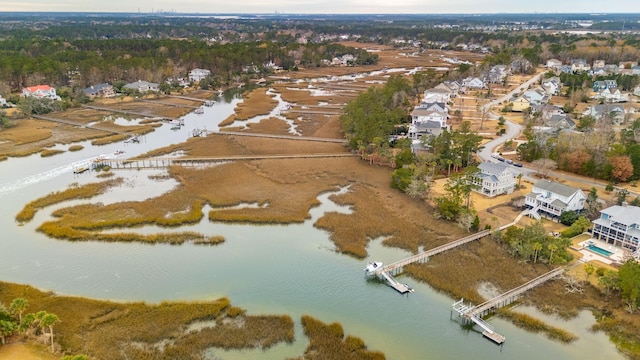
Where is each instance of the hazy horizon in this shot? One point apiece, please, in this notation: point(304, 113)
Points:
point(418, 7)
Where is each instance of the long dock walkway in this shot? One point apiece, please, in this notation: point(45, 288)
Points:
point(284, 137)
point(73, 123)
point(475, 313)
point(128, 112)
point(397, 267)
point(157, 163)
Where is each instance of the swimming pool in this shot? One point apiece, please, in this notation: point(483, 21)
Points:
point(599, 250)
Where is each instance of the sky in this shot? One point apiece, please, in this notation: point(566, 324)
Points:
point(327, 6)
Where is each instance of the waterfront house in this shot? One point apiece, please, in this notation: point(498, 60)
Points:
point(552, 199)
point(196, 75)
point(420, 115)
point(554, 64)
point(434, 106)
point(142, 86)
point(40, 92)
point(494, 179)
point(619, 226)
point(100, 90)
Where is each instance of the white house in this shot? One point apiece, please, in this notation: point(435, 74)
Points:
point(3, 102)
point(536, 96)
point(40, 92)
point(142, 86)
point(473, 83)
point(579, 65)
point(619, 226)
point(437, 95)
point(611, 95)
point(553, 64)
point(419, 115)
point(434, 106)
point(553, 199)
point(196, 75)
point(606, 111)
point(551, 85)
point(495, 179)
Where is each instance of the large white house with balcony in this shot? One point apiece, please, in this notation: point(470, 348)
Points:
point(552, 199)
point(619, 226)
point(494, 179)
point(196, 75)
point(40, 92)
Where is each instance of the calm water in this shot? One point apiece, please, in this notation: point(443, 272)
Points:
point(277, 269)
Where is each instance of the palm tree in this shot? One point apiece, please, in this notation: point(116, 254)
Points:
point(552, 248)
point(536, 250)
point(18, 305)
point(48, 320)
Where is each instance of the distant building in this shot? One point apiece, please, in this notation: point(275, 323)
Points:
point(142, 86)
point(100, 90)
point(196, 75)
point(40, 92)
point(3, 102)
point(495, 179)
point(619, 226)
point(553, 199)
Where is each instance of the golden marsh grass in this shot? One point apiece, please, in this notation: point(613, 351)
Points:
point(50, 152)
point(76, 147)
point(98, 328)
point(327, 341)
point(255, 103)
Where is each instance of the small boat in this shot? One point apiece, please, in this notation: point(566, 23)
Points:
point(209, 103)
point(176, 127)
point(80, 169)
point(119, 152)
point(371, 268)
point(199, 110)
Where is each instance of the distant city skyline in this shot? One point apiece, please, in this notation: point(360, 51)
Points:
point(327, 6)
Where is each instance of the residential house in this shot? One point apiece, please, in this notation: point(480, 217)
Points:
point(546, 111)
point(427, 128)
point(636, 91)
point(635, 70)
point(455, 86)
point(449, 87)
point(554, 64)
point(419, 115)
point(41, 92)
point(604, 84)
point(560, 122)
point(551, 85)
point(552, 199)
point(473, 83)
point(437, 95)
point(142, 86)
point(494, 179)
point(520, 104)
point(611, 69)
point(521, 66)
point(611, 95)
point(615, 113)
point(536, 96)
point(579, 65)
point(598, 72)
point(434, 106)
point(627, 64)
point(619, 226)
point(566, 69)
point(598, 64)
point(196, 75)
point(100, 90)
point(497, 74)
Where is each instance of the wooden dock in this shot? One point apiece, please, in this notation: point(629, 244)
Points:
point(159, 163)
point(394, 284)
point(397, 267)
point(127, 112)
point(475, 313)
point(283, 137)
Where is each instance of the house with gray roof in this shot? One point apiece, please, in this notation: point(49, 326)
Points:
point(142, 86)
point(619, 226)
point(494, 179)
point(552, 199)
point(100, 90)
point(560, 122)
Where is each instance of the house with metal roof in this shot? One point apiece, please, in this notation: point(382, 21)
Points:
point(552, 199)
point(494, 179)
point(619, 226)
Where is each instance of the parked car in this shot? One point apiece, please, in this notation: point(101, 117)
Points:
point(517, 164)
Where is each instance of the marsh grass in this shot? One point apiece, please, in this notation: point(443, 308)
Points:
point(76, 147)
point(50, 152)
point(532, 324)
point(109, 139)
point(74, 192)
point(108, 330)
point(255, 103)
point(329, 342)
point(3, 157)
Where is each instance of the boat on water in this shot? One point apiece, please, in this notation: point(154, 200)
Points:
point(371, 268)
point(175, 127)
point(119, 152)
point(199, 110)
point(80, 169)
point(209, 103)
